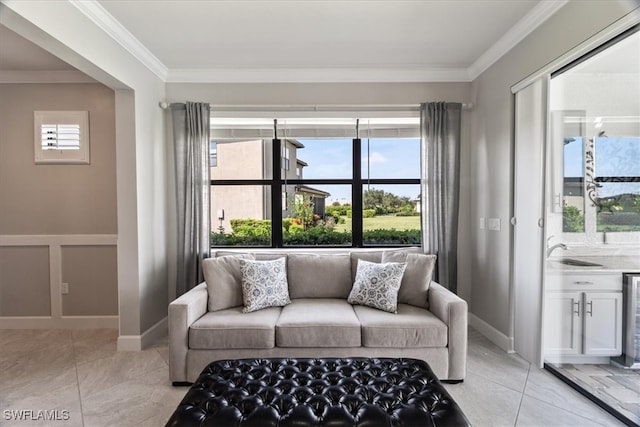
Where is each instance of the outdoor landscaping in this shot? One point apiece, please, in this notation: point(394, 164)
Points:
point(387, 220)
point(615, 214)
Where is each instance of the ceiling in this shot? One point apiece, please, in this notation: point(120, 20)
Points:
point(306, 40)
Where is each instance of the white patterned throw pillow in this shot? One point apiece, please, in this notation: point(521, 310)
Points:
point(377, 285)
point(264, 284)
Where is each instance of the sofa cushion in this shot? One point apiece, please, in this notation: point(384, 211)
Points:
point(319, 276)
point(318, 322)
point(232, 328)
point(417, 276)
point(377, 285)
point(224, 281)
point(264, 284)
point(411, 327)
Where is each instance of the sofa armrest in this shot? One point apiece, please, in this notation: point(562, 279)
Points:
point(452, 310)
point(183, 311)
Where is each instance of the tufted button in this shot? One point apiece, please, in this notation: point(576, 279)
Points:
point(343, 392)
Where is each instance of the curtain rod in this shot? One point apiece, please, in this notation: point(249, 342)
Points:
point(314, 107)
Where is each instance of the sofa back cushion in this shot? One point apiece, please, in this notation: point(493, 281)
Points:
point(224, 281)
point(373, 256)
point(376, 256)
point(258, 256)
point(414, 287)
point(318, 275)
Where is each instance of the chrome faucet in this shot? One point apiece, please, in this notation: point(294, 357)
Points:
point(554, 247)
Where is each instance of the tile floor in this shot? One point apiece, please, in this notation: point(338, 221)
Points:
point(617, 387)
point(82, 373)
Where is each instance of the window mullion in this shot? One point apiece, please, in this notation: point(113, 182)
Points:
point(276, 196)
point(356, 195)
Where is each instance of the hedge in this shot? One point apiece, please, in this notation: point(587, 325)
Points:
point(319, 236)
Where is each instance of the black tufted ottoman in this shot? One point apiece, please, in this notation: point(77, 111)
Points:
point(318, 392)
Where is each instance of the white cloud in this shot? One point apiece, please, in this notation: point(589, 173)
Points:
point(375, 157)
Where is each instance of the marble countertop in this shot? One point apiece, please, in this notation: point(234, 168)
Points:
point(606, 264)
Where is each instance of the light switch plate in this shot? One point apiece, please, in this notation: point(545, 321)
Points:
point(483, 223)
point(494, 224)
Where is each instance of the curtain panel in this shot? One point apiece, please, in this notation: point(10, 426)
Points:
point(191, 150)
point(440, 142)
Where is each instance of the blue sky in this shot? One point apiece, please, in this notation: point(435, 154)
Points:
point(615, 156)
point(388, 158)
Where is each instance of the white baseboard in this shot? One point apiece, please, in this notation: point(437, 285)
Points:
point(64, 322)
point(148, 337)
point(492, 334)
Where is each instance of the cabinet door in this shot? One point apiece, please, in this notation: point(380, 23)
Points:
point(563, 315)
point(603, 323)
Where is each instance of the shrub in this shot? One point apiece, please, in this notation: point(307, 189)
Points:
point(369, 213)
point(572, 220)
point(619, 218)
point(408, 213)
point(392, 237)
point(218, 239)
point(250, 225)
point(316, 236)
point(296, 228)
point(336, 211)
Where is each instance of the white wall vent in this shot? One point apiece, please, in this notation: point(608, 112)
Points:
point(61, 137)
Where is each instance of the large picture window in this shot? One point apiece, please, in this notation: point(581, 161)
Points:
point(330, 191)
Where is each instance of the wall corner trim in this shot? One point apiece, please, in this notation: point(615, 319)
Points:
point(146, 339)
point(492, 334)
point(105, 21)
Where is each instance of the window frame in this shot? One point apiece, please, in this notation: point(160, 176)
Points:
point(357, 183)
point(590, 235)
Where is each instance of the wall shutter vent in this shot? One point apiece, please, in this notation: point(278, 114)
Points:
point(61, 137)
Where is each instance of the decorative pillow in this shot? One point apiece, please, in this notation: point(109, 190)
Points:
point(264, 284)
point(224, 281)
point(377, 285)
point(371, 256)
point(414, 288)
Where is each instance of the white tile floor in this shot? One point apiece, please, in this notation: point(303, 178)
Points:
point(82, 373)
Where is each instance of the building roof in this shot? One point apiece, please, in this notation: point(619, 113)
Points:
point(314, 191)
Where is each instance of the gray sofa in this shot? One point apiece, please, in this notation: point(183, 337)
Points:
point(208, 323)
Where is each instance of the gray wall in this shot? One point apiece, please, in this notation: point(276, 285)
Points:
point(143, 196)
point(57, 200)
point(318, 93)
point(491, 149)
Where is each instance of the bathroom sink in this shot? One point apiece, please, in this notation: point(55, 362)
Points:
point(578, 263)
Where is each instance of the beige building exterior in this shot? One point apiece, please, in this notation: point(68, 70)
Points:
point(251, 159)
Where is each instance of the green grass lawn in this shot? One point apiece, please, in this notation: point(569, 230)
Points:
point(386, 222)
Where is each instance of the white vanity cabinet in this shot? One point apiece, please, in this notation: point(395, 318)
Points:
point(583, 317)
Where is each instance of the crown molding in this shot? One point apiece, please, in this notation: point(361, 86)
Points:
point(57, 76)
point(525, 26)
point(318, 75)
point(105, 21)
point(621, 25)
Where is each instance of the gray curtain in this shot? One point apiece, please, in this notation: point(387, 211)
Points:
point(440, 138)
point(191, 148)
